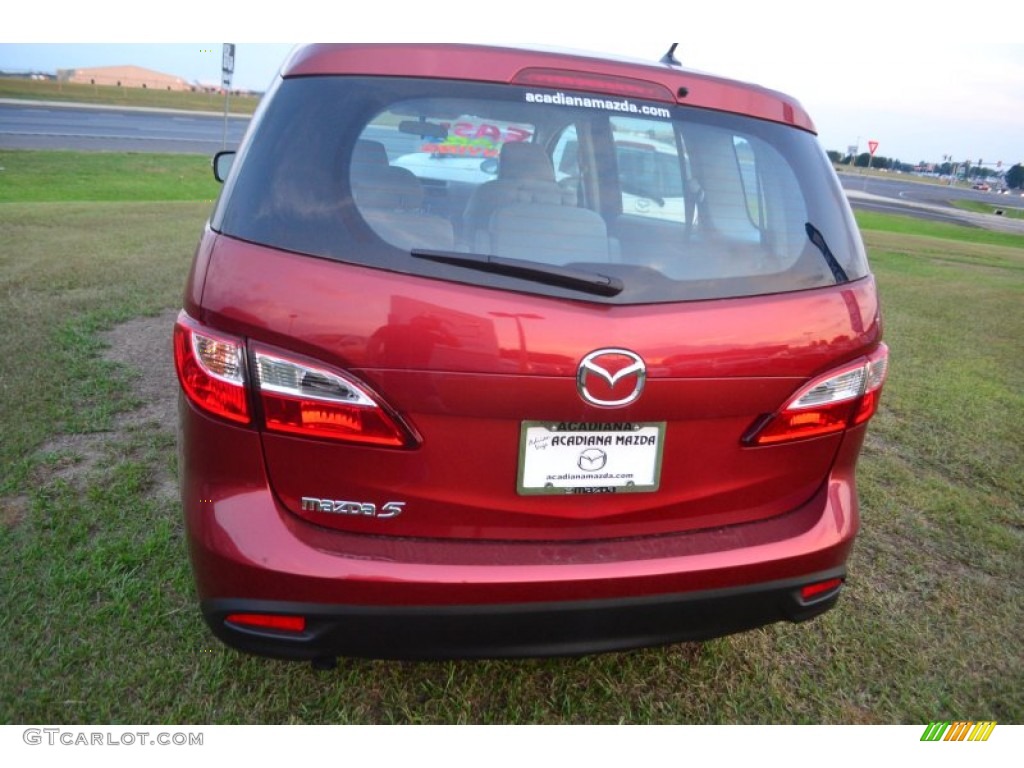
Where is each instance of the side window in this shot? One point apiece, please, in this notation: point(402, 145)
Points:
point(748, 176)
point(775, 202)
point(725, 169)
point(750, 193)
point(651, 170)
point(566, 156)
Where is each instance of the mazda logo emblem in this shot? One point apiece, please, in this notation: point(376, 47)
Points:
point(592, 459)
point(610, 378)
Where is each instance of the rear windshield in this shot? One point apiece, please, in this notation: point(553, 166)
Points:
point(548, 192)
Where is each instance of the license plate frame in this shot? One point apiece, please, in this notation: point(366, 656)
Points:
point(559, 458)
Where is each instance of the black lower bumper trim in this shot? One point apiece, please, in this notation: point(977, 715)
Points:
point(507, 631)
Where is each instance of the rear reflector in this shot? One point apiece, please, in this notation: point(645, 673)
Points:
point(211, 369)
point(842, 398)
point(269, 621)
point(810, 591)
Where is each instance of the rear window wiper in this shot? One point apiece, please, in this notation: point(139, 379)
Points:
point(833, 264)
point(563, 277)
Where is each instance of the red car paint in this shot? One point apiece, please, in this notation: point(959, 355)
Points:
point(367, 543)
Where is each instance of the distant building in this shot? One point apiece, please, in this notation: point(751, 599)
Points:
point(23, 75)
point(126, 76)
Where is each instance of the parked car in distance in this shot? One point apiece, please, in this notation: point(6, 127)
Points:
point(488, 352)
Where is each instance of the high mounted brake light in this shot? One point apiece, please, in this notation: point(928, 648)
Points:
point(831, 403)
point(585, 81)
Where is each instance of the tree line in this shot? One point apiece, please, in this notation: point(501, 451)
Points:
point(1013, 177)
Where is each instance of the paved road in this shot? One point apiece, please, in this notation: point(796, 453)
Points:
point(25, 125)
point(914, 192)
point(47, 125)
point(929, 201)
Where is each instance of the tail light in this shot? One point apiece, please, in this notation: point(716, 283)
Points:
point(211, 369)
point(831, 403)
point(303, 399)
point(296, 396)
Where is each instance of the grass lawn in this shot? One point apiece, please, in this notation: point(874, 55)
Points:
point(51, 90)
point(60, 176)
point(1012, 207)
point(97, 610)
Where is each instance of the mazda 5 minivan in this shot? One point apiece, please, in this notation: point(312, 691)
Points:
point(603, 385)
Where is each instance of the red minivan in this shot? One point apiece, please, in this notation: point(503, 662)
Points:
point(490, 352)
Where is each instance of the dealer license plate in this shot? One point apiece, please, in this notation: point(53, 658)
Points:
point(574, 457)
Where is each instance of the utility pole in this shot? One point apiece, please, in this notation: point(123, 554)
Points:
point(226, 70)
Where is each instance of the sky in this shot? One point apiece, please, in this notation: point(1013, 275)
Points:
point(923, 85)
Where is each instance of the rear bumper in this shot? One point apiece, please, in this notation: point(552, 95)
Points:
point(504, 631)
point(390, 597)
